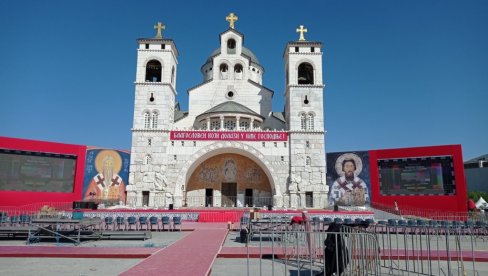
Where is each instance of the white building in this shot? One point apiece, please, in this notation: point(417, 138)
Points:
point(229, 148)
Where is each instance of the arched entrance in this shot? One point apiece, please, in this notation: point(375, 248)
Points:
point(228, 180)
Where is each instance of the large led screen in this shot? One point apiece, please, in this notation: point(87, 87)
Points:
point(36, 171)
point(417, 176)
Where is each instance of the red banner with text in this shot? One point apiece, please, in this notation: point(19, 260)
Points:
point(229, 135)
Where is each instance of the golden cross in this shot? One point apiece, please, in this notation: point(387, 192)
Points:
point(301, 30)
point(159, 27)
point(231, 18)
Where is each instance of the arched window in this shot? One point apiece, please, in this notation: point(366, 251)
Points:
point(310, 123)
point(231, 46)
point(243, 125)
point(153, 71)
point(305, 73)
point(303, 121)
point(309, 161)
point(147, 119)
point(173, 75)
point(230, 124)
point(238, 72)
point(215, 125)
point(155, 120)
point(223, 71)
point(147, 159)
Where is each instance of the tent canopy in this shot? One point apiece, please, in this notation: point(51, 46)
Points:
point(481, 203)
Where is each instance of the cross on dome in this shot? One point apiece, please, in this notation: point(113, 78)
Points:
point(231, 18)
point(159, 27)
point(301, 30)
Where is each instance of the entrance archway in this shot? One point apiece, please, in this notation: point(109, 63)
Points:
point(215, 149)
point(228, 180)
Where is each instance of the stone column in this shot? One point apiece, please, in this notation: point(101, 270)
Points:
point(278, 201)
point(252, 123)
point(294, 200)
point(237, 123)
point(302, 200)
point(151, 199)
point(208, 123)
point(139, 198)
point(221, 122)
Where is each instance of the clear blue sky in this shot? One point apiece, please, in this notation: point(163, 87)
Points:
point(397, 73)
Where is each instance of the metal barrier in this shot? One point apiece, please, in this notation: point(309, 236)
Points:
point(394, 247)
point(342, 250)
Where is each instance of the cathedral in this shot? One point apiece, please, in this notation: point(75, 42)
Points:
point(229, 149)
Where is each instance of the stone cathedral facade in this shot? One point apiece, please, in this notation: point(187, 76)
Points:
point(229, 149)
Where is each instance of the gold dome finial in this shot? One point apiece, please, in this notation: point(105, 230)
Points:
point(159, 27)
point(231, 18)
point(301, 30)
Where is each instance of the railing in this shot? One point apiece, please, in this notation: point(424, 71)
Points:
point(41, 208)
point(294, 251)
point(227, 201)
point(412, 212)
point(397, 247)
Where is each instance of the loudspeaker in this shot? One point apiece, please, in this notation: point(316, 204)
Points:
point(77, 204)
point(84, 205)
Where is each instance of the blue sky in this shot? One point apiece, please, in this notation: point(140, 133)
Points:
point(397, 73)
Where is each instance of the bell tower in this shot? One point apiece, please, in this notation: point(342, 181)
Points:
point(154, 104)
point(304, 111)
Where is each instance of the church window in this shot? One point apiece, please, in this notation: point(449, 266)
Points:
point(243, 125)
point(153, 71)
point(310, 124)
point(306, 101)
point(284, 144)
point(308, 161)
point(155, 120)
point(257, 125)
point(297, 49)
point(215, 125)
point(307, 144)
point(223, 71)
point(151, 99)
point(172, 143)
point(312, 49)
point(254, 69)
point(238, 71)
point(275, 144)
point(147, 159)
point(174, 157)
point(230, 124)
point(231, 46)
point(163, 46)
point(264, 144)
point(303, 121)
point(147, 46)
point(305, 73)
point(182, 143)
point(149, 142)
point(230, 94)
point(194, 143)
point(282, 158)
point(173, 75)
point(147, 119)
